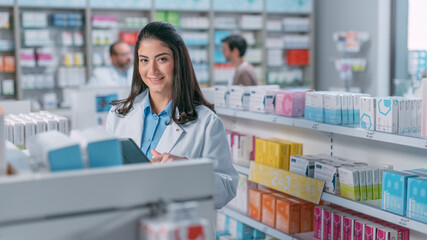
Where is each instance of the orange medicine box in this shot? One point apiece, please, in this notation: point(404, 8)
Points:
point(255, 202)
point(288, 215)
point(306, 215)
point(268, 216)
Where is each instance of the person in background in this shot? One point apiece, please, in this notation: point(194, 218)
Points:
point(234, 48)
point(119, 73)
point(166, 113)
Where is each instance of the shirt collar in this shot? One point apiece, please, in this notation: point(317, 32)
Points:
point(148, 110)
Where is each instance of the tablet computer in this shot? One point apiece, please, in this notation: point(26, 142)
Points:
point(131, 153)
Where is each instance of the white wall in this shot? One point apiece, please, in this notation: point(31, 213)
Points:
point(349, 15)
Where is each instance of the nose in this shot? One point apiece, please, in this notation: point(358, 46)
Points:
point(153, 69)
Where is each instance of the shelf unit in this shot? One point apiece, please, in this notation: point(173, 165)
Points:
point(365, 208)
point(7, 53)
point(351, 130)
point(94, 204)
point(143, 8)
point(352, 142)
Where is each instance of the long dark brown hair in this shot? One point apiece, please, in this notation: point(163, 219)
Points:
point(186, 93)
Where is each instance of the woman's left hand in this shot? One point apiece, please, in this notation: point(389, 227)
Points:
point(164, 157)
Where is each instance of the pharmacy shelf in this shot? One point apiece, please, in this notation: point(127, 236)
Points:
point(268, 118)
point(241, 169)
point(375, 212)
point(364, 208)
point(350, 130)
point(255, 224)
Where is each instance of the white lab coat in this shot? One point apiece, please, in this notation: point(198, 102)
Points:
point(108, 76)
point(204, 137)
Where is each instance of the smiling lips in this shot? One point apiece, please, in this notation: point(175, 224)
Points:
point(154, 80)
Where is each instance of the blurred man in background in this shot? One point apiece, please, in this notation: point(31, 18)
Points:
point(234, 48)
point(119, 73)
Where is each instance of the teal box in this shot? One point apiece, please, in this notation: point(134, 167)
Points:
point(417, 199)
point(314, 114)
point(67, 158)
point(258, 234)
point(243, 231)
point(356, 116)
point(333, 116)
point(104, 153)
point(394, 193)
point(344, 116)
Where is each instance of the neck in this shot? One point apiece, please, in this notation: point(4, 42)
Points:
point(159, 102)
point(237, 61)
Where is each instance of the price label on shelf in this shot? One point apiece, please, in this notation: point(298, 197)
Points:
point(404, 222)
point(370, 134)
point(291, 183)
point(315, 125)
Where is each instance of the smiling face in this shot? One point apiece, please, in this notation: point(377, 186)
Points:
point(156, 67)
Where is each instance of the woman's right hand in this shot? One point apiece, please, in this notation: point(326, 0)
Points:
point(164, 157)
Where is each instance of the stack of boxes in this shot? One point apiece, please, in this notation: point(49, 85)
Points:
point(276, 152)
point(354, 180)
point(278, 210)
point(18, 128)
point(265, 99)
point(335, 222)
point(339, 108)
point(391, 114)
point(404, 193)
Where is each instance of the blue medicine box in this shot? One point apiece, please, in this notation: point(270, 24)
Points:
point(394, 191)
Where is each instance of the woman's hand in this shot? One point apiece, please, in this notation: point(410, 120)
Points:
point(164, 157)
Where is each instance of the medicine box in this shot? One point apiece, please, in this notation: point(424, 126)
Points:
point(255, 202)
point(367, 113)
point(239, 98)
point(333, 108)
point(314, 108)
point(278, 154)
point(349, 183)
point(290, 103)
point(268, 215)
point(394, 191)
point(261, 150)
point(288, 215)
point(262, 100)
point(221, 96)
point(356, 106)
point(328, 171)
point(344, 108)
point(303, 165)
point(417, 199)
point(387, 114)
point(318, 221)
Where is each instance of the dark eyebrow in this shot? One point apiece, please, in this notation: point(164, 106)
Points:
point(158, 55)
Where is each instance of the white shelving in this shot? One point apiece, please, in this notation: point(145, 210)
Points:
point(350, 130)
point(241, 169)
point(255, 224)
point(363, 208)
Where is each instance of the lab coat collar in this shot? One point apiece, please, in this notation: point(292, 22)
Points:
point(170, 136)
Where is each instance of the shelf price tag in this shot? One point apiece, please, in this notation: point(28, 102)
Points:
point(291, 183)
point(315, 125)
point(404, 221)
point(370, 134)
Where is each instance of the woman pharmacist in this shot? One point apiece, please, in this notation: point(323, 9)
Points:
point(166, 113)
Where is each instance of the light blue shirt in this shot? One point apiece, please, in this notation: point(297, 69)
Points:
point(154, 126)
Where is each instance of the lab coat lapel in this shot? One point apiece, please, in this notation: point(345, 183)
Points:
point(171, 135)
point(135, 123)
